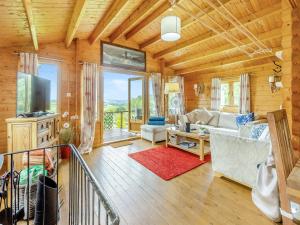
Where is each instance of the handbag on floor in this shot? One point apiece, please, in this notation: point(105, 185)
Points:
point(265, 194)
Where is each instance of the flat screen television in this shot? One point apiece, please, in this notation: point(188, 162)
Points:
point(33, 94)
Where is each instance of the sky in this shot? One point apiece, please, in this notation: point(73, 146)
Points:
point(116, 86)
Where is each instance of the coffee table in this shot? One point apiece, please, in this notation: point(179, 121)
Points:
point(192, 136)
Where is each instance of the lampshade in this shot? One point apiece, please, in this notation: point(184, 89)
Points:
point(172, 88)
point(170, 28)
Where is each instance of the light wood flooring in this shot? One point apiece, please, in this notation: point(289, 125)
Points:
point(196, 197)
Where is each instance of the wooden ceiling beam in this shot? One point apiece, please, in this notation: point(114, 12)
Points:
point(185, 24)
point(226, 62)
point(149, 19)
point(107, 19)
point(270, 11)
point(134, 18)
point(268, 35)
point(77, 15)
point(29, 14)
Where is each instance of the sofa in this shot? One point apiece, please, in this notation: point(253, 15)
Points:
point(235, 154)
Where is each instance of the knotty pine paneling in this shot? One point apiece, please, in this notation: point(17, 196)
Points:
point(262, 100)
point(8, 73)
point(70, 80)
point(91, 53)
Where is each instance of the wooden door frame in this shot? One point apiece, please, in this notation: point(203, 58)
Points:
point(129, 100)
point(102, 70)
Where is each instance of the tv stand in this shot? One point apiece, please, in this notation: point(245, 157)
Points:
point(31, 133)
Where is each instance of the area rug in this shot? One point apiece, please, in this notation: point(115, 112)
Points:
point(168, 163)
point(121, 144)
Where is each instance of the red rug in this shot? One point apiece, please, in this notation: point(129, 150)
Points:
point(168, 163)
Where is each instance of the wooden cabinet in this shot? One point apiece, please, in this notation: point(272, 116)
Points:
point(31, 133)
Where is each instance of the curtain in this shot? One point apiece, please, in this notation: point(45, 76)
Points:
point(28, 63)
point(157, 92)
point(215, 93)
point(89, 106)
point(180, 94)
point(244, 93)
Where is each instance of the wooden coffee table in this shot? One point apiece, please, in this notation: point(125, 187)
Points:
point(192, 136)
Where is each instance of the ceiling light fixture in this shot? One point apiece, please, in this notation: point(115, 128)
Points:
point(171, 26)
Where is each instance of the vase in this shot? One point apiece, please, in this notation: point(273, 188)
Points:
point(65, 152)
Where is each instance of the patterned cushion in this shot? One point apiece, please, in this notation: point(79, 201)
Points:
point(257, 130)
point(244, 119)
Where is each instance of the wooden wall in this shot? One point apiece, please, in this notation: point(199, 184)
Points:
point(80, 50)
point(262, 100)
point(8, 73)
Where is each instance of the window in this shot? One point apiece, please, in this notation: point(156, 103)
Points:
point(50, 72)
point(230, 93)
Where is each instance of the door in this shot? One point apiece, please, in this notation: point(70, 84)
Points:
point(136, 98)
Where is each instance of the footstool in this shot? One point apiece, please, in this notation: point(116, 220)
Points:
point(154, 133)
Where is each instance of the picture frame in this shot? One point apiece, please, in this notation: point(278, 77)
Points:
point(118, 56)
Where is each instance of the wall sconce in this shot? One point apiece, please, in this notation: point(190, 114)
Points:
point(275, 83)
point(199, 89)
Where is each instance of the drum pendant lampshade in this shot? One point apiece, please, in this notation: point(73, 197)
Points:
point(170, 28)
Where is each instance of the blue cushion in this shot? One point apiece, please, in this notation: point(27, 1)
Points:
point(244, 119)
point(157, 118)
point(156, 123)
point(257, 130)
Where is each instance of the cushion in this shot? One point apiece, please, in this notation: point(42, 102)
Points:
point(156, 123)
point(245, 130)
point(157, 118)
point(244, 118)
point(265, 136)
point(257, 130)
point(203, 116)
point(191, 117)
point(228, 120)
point(214, 121)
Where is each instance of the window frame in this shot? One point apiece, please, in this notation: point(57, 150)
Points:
point(231, 107)
point(59, 78)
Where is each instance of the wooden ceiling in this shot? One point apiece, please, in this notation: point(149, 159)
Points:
point(42, 21)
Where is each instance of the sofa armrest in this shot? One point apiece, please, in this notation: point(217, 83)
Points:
point(237, 157)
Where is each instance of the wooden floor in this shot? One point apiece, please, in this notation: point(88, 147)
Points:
point(116, 134)
point(197, 197)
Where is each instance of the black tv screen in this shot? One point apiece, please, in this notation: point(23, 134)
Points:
point(33, 94)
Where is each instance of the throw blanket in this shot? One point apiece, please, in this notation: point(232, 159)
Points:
point(265, 194)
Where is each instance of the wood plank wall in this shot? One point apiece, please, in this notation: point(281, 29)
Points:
point(8, 73)
point(262, 100)
point(80, 50)
point(291, 68)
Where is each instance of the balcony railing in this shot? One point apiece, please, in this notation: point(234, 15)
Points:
point(117, 119)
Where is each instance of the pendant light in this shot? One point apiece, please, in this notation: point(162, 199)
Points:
point(171, 26)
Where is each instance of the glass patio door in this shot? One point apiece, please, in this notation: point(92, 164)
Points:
point(136, 104)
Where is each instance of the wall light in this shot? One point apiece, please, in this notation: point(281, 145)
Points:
point(275, 83)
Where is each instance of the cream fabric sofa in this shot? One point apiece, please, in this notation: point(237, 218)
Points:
point(234, 154)
point(237, 157)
